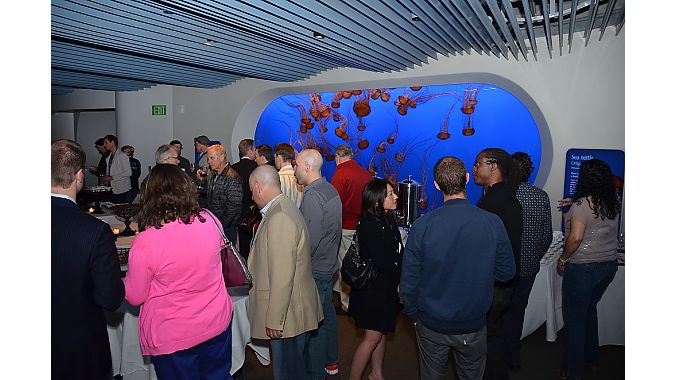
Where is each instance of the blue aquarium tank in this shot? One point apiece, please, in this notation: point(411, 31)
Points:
point(400, 132)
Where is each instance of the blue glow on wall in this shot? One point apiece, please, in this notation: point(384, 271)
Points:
point(498, 118)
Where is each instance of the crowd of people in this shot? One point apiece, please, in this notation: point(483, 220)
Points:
point(463, 275)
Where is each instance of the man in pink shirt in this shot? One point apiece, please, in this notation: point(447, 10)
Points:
point(349, 179)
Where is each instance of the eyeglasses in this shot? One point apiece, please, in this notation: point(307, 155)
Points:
point(488, 162)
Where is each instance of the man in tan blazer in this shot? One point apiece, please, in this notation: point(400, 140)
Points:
point(284, 303)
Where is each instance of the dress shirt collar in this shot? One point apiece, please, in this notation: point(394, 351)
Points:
point(64, 196)
point(267, 206)
point(286, 169)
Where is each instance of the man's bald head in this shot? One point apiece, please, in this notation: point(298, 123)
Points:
point(308, 166)
point(265, 185)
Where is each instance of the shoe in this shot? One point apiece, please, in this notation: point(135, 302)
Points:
point(331, 369)
point(340, 311)
point(565, 376)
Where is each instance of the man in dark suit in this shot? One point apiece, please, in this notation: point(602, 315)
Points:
point(244, 167)
point(85, 275)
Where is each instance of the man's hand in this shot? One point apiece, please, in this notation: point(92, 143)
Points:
point(106, 178)
point(273, 334)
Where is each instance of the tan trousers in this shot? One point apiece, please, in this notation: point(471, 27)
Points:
point(339, 285)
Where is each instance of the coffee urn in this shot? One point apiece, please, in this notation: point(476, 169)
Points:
point(408, 204)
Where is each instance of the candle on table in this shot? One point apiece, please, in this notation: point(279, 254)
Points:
point(91, 210)
point(116, 231)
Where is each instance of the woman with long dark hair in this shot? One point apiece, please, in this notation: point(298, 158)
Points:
point(588, 263)
point(175, 275)
point(375, 308)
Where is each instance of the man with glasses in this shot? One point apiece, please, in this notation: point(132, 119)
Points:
point(167, 154)
point(500, 176)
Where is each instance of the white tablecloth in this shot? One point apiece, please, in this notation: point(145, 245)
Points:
point(126, 350)
point(545, 306)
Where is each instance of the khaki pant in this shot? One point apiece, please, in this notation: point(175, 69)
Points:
point(339, 285)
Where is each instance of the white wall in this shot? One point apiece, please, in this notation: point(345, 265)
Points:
point(83, 100)
point(89, 127)
point(577, 100)
point(63, 126)
point(136, 126)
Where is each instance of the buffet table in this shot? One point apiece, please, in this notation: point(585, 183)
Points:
point(123, 328)
point(545, 305)
point(126, 350)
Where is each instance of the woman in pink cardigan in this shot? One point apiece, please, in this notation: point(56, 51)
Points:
point(175, 275)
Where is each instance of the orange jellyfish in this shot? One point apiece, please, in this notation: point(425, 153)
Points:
point(330, 157)
point(468, 130)
point(325, 112)
point(361, 107)
point(416, 88)
point(347, 94)
point(399, 157)
point(384, 95)
point(375, 94)
point(363, 144)
point(393, 135)
point(443, 135)
point(381, 147)
point(356, 92)
point(361, 126)
point(310, 125)
point(315, 113)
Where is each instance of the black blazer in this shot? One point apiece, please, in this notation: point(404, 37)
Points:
point(85, 280)
point(244, 168)
point(381, 241)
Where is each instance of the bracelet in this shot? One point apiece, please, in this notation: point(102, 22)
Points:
point(562, 260)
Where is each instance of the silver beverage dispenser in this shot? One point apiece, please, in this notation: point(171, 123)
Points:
point(408, 204)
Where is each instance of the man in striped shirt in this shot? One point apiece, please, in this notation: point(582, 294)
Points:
point(284, 155)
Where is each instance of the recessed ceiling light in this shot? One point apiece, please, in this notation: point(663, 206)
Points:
point(209, 42)
point(415, 17)
point(317, 35)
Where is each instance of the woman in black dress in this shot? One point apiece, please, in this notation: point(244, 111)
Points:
point(375, 308)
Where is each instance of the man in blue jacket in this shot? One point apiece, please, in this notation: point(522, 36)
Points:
point(453, 255)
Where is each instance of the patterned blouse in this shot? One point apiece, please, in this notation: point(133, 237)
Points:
point(537, 227)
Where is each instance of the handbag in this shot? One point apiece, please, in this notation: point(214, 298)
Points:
point(249, 222)
point(356, 271)
point(235, 270)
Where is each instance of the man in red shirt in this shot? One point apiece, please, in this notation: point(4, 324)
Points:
point(349, 179)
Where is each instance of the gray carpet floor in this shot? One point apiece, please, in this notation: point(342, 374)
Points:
point(541, 360)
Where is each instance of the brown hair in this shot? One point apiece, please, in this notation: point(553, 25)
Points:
point(245, 146)
point(168, 194)
point(67, 158)
point(286, 151)
point(450, 175)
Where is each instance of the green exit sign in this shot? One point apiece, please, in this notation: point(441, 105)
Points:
point(159, 109)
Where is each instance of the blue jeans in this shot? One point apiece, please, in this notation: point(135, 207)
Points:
point(288, 358)
point(208, 360)
point(323, 342)
point(583, 286)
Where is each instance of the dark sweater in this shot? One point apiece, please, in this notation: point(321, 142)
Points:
point(500, 199)
point(453, 255)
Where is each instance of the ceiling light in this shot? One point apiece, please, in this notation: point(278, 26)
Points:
point(317, 35)
point(210, 42)
point(415, 17)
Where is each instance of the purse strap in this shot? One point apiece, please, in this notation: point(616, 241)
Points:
point(225, 239)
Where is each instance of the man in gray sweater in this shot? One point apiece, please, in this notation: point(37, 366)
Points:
point(322, 211)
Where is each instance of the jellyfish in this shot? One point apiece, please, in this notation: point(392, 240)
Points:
point(330, 157)
point(381, 147)
point(325, 111)
point(315, 113)
point(347, 94)
point(361, 106)
point(375, 94)
point(394, 133)
point(469, 97)
point(399, 157)
point(361, 126)
point(363, 144)
point(384, 95)
point(443, 133)
point(356, 92)
point(416, 88)
point(336, 99)
point(468, 130)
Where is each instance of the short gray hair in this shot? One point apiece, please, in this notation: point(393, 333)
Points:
point(343, 150)
point(163, 152)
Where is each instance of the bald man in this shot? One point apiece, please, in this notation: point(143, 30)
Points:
point(284, 303)
point(322, 212)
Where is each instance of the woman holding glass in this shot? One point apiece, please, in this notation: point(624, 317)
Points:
point(375, 308)
point(588, 263)
point(175, 275)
